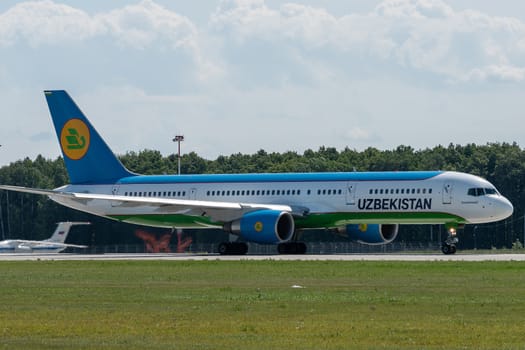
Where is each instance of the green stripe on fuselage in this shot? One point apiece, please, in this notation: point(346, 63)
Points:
point(325, 220)
point(341, 219)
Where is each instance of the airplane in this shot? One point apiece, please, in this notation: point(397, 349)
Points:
point(263, 208)
point(54, 244)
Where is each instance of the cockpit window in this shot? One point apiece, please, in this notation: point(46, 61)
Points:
point(476, 192)
point(490, 191)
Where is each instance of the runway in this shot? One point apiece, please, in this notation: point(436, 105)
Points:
point(276, 257)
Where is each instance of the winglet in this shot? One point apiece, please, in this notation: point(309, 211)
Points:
point(88, 158)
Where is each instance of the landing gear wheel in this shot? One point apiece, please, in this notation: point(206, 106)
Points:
point(291, 248)
point(233, 248)
point(448, 249)
point(223, 248)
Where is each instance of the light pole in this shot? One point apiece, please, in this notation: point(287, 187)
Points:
point(178, 139)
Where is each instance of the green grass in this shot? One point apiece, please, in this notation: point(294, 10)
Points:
point(252, 305)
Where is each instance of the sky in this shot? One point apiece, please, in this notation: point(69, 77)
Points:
point(237, 76)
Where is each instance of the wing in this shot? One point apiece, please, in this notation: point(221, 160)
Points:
point(216, 211)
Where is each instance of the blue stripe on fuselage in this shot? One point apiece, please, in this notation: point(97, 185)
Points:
point(280, 177)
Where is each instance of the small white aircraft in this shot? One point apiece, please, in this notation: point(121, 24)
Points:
point(263, 208)
point(54, 244)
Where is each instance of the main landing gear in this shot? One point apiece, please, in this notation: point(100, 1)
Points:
point(233, 248)
point(291, 248)
point(449, 244)
point(295, 246)
point(241, 248)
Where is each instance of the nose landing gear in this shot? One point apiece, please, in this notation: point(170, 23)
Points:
point(449, 244)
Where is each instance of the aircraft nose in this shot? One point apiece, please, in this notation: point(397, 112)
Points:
point(503, 208)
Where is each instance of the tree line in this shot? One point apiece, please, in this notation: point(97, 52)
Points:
point(503, 164)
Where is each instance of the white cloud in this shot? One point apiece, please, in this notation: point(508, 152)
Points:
point(265, 73)
point(426, 36)
point(420, 9)
point(496, 72)
point(128, 35)
point(358, 134)
point(137, 26)
point(44, 22)
point(141, 25)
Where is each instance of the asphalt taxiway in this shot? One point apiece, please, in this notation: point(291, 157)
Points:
point(276, 257)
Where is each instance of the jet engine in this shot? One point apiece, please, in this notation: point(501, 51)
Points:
point(371, 233)
point(264, 226)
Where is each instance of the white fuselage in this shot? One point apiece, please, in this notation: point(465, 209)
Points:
point(17, 246)
point(318, 200)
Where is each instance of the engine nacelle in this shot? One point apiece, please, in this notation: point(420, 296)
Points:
point(264, 226)
point(372, 233)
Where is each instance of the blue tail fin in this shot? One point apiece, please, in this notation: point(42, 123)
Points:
point(88, 158)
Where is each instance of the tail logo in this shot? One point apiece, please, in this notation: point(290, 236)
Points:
point(74, 139)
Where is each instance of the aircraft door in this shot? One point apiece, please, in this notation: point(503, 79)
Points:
point(350, 193)
point(114, 191)
point(447, 193)
point(193, 193)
